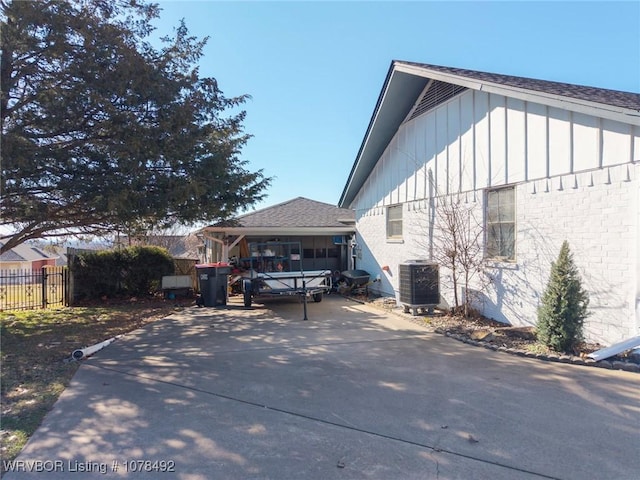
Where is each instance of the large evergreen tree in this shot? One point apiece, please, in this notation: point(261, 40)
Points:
point(564, 305)
point(101, 130)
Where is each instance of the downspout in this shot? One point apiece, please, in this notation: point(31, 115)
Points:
point(432, 212)
point(226, 248)
point(83, 353)
point(222, 243)
point(637, 237)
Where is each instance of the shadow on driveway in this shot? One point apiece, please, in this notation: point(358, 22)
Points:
point(351, 393)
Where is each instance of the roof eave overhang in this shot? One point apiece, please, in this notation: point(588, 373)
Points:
point(391, 111)
point(602, 110)
point(396, 99)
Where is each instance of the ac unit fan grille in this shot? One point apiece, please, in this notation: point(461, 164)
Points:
point(419, 284)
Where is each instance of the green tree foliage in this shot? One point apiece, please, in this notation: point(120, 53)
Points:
point(132, 271)
point(146, 267)
point(564, 305)
point(101, 131)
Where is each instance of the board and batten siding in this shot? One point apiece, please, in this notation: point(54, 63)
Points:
point(576, 178)
point(479, 140)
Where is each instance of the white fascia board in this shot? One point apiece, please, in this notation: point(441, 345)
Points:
point(595, 109)
point(443, 77)
point(370, 128)
point(586, 107)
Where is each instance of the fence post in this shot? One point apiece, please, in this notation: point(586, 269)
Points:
point(65, 286)
point(44, 287)
point(71, 288)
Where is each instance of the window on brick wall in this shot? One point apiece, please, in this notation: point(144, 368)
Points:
point(394, 222)
point(501, 224)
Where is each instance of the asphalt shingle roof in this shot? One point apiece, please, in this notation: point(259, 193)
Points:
point(24, 253)
point(298, 212)
point(580, 92)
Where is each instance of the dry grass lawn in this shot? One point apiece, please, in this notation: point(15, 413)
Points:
point(36, 345)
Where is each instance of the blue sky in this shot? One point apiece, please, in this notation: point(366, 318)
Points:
point(314, 70)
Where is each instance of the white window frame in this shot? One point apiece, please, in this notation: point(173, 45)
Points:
point(393, 231)
point(500, 225)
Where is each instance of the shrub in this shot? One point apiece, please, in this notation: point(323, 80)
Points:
point(98, 274)
point(145, 268)
point(133, 271)
point(564, 305)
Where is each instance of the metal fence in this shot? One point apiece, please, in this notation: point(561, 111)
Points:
point(30, 289)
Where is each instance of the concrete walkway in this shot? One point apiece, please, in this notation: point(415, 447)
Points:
point(352, 393)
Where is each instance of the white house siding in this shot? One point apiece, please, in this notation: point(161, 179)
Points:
point(576, 178)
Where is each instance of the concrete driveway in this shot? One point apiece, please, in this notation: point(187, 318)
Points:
point(352, 393)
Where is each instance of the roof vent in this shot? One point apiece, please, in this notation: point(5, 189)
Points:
point(439, 92)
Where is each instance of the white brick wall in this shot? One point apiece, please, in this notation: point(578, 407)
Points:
point(377, 251)
point(596, 212)
point(576, 178)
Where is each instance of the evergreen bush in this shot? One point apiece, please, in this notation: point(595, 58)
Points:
point(145, 268)
point(564, 305)
point(132, 271)
point(97, 274)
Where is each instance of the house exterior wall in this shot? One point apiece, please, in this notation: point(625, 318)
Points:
point(38, 264)
point(597, 213)
point(576, 178)
point(27, 265)
point(15, 265)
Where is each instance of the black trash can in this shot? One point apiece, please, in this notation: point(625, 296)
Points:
point(213, 281)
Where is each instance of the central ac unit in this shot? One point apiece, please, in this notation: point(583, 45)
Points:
point(419, 285)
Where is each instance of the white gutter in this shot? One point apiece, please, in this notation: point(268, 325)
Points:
point(619, 347)
point(282, 231)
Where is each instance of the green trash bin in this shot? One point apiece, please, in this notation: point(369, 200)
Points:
point(213, 281)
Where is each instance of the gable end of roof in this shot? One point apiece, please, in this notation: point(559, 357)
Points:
point(407, 84)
